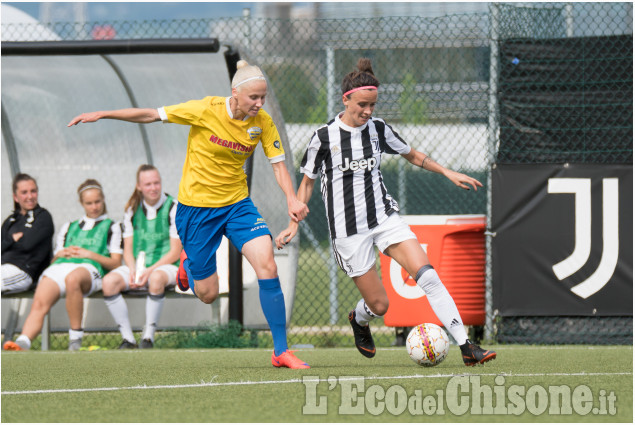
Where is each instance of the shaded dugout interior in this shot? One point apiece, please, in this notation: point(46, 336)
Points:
point(45, 85)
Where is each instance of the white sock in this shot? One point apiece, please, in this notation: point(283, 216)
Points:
point(119, 311)
point(363, 315)
point(154, 306)
point(75, 334)
point(24, 342)
point(442, 303)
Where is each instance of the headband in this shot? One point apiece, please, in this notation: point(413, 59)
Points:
point(360, 88)
point(257, 77)
point(89, 187)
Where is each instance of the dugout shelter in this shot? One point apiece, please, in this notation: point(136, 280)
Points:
point(46, 84)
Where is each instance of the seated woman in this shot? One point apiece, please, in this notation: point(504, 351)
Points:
point(84, 249)
point(149, 238)
point(27, 238)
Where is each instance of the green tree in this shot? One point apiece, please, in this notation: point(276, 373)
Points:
point(316, 113)
point(413, 107)
point(294, 91)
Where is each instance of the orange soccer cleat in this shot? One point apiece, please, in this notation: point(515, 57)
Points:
point(288, 359)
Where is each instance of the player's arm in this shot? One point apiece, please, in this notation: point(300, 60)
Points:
point(60, 251)
point(128, 255)
point(128, 258)
point(115, 250)
point(297, 209)
point(422, 160)
point(137, 115)
point(170, 257)
point(305, 190)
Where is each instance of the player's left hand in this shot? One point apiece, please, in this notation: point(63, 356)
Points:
point(79, 252)
point(298, 210)
point(286, 235)
point(143, 279)
point(462, 180)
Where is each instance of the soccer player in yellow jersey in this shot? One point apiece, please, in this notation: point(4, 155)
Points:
point(213, 196)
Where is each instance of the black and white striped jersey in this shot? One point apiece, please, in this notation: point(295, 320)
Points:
point(352, 186)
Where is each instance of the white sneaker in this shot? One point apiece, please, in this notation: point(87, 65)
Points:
point(75, 345)
point(15, 346)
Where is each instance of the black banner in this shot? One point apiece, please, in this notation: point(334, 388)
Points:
point(566, 100)
point(563, 241)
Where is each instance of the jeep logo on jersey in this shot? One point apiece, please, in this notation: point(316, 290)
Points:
point(254, 132)
point(361, 164)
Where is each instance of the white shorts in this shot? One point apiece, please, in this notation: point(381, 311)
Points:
point(356, 254)
point(58, 273)
point(14, 279)
point(168, 269)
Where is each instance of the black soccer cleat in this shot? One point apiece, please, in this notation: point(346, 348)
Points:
point(363, 339)
point(473, 354)
point(147, 343)
point(127, 345)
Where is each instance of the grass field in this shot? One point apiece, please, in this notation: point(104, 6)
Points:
point(524, 384)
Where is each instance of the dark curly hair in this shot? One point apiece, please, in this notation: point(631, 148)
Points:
point(361, 77)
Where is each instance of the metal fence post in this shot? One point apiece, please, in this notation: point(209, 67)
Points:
point(330, 82)
point(568, 8)
point(491, 154)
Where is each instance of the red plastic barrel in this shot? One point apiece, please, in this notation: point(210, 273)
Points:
point(456, 249)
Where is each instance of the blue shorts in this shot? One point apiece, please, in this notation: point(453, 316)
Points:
point(201, 231)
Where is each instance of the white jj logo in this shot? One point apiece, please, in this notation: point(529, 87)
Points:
point(581, 188)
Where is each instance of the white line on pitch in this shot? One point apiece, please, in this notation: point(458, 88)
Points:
point(296, 381)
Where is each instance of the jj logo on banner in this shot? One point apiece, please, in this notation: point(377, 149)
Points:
point(563, 239)
point(581, 188)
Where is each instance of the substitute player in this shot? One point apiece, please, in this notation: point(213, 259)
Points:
point(213, 195)
point(84, 249)
point(27, 238)
point(150, 241)
point(361, 214)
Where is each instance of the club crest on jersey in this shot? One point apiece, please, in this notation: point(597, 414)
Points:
point(276, 144)
point(374, 138)
point(360, 164)
point(254, 132)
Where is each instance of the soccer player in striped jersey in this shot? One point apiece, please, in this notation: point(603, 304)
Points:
point(84, 249)
point(361, 213)
point(148, 228)
point(213, 194)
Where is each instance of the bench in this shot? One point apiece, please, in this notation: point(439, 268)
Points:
point(18, 299)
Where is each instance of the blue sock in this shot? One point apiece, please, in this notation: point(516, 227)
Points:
point(272, 303)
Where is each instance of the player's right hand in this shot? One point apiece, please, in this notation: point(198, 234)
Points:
point(85, 117)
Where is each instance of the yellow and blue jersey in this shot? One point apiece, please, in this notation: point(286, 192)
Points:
point(217, 149)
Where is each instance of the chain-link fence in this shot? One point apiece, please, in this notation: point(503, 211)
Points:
point(565, 95)
point(439, 90)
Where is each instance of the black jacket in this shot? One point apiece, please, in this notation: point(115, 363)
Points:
point(32, 253)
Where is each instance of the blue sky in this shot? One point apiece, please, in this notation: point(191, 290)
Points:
point(120, 11)
point(135, 11)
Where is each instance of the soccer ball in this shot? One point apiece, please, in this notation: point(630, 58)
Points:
point(427, 344)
